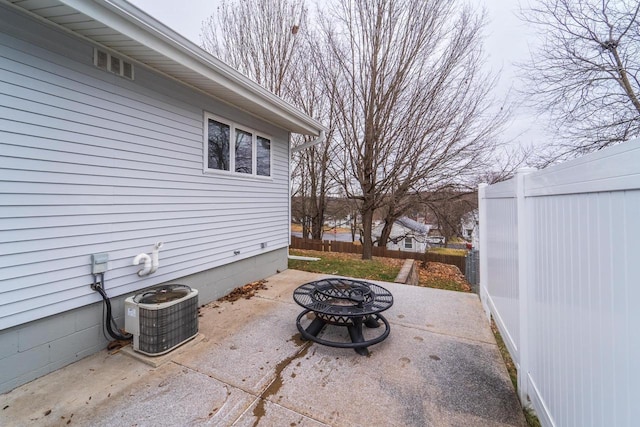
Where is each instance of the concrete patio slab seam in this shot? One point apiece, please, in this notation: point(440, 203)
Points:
point(427, 329)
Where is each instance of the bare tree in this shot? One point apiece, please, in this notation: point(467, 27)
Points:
point(259, 38)
point(412, 101)
point(506, 163)
point(450, 206)
point(313, 88)
point(270, 41)
point(585, 71)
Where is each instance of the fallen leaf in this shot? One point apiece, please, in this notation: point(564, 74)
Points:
point(247, 291)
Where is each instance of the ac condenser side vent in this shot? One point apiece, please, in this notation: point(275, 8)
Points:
point(162, 318)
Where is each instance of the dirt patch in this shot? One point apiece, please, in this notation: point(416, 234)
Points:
point(247, 291)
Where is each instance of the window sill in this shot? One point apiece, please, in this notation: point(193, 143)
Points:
point(237, 175)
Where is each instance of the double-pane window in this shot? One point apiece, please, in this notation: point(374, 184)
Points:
point(250, 153)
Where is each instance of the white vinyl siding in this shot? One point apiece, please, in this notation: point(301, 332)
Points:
point(92, 163)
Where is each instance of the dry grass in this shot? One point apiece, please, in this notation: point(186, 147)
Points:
point(449, 251)
point(432, 275)
point(350, 265)
point(529, 414)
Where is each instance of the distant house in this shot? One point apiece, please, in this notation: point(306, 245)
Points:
point(469, 228)
point(406, 235)
point(117, 133)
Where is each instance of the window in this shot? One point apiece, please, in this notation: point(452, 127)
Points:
point(218, 143)
point(249, 155)
point(244, 156)
point(408, 242)
point(264, 156)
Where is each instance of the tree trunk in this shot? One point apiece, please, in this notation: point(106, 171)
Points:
point(386, 232)
point(354, 223)
point(305, 227)
point(317, 225)
point(367, 244)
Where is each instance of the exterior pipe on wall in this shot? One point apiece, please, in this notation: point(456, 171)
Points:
point(147, 264)
point(155, 262)
point(151, 263)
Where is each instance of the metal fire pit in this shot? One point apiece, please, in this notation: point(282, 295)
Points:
point(343, 302)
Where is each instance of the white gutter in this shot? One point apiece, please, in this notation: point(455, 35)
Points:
point(318, 140)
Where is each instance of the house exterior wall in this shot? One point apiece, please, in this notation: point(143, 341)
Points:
point(419, 246)
point(94, 163)
point(37, 348)
point(469, 227)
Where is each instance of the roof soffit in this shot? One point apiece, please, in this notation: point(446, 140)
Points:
point(125, 29)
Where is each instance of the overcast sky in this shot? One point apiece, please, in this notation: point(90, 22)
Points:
point(506, 42)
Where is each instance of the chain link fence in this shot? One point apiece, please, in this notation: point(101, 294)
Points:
point(472, 269)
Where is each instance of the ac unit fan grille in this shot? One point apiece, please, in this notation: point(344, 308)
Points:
point(161, 330)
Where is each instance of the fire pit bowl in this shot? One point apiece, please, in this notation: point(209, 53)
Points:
point(343, 302)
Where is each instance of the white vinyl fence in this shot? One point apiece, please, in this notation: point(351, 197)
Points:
point(560, 275)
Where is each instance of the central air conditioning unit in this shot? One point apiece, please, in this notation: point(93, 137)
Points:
point(162, 318)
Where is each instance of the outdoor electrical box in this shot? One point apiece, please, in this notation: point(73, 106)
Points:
point(99, 263)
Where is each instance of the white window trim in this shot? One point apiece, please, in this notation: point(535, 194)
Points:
point(232, 160)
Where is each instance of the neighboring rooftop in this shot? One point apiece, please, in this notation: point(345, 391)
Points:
point(413, 225)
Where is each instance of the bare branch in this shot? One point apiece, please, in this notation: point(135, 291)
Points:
point(585, 72)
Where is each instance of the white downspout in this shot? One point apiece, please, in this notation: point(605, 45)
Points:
point(320, 139)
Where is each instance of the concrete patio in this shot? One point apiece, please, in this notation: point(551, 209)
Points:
point(440, 366)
